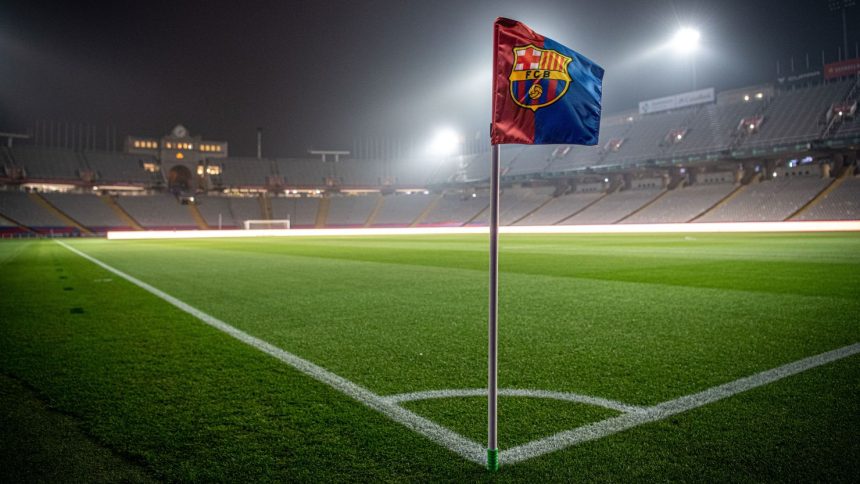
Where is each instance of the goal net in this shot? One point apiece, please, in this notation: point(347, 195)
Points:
point(266, 224)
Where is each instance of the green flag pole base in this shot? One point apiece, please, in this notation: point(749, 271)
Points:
point(493, 460)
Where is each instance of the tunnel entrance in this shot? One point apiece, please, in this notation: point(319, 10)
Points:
point(179, 179)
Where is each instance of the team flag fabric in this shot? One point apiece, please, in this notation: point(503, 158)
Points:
point(543, 92)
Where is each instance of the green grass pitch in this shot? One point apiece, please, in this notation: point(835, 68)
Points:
point(103, 380)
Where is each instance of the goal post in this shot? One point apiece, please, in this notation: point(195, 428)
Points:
point(267, 224)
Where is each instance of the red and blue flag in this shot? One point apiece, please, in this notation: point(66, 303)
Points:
point(543, 92)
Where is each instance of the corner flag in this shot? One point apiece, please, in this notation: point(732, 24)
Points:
point(543, 92)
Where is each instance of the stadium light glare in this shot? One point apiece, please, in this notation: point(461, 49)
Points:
point(686, 40)
point(445, 142)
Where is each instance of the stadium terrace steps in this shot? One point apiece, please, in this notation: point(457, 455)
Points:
point(214, 207)
point(247, 208)
point(681, 204)
point(87, 209)
point(530, 212)
point(842, 202)
point(380, 202)
point(322, 213)
point(427, 210)
point(731, 195)
point(768, 201)
point(833, 184)
point(198, 218)
point(560, 208)
point(350, 211)
point(455, 209)
point(401, 209)
point(48, 163)
point(265, 207)
point(484, 210)
point(118, 167)
point(25, 212)
point(302, 212)
point(514, 203)
point(56, 212)
point(121, 213)
point(582, 208)
point(162, 211)
point(643, 207)
point(613, 207)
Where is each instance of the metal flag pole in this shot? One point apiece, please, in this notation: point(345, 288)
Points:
point(493, 363)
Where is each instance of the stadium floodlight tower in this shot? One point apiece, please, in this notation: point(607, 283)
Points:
point(843, 5)
point(686, 43)
point(445, 142)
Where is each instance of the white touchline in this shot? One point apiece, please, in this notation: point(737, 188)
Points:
point(449, 439)
point(632, 415)
point(672, 407)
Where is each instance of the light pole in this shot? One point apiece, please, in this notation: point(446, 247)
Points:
point(843, 5)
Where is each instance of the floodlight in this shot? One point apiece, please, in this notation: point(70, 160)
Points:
point(445, 142)
point(686, 40)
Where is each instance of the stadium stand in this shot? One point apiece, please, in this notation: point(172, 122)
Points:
point(645, 139)
point(48, 163)
point(561, 208)
point(516, 203)
point(682, 204)
point(158, 212)
point(87, 209)
point(768, 201)
point(411, 173)
point(843, 203)
point(123, 168)
point(794, 134)
point(358, 173)
point(21, 208)
point(213, 207)
point(247, 208)
point(350, 211)
point(613, 207)
point(303, 172)
point(456, 209)
point(302, 212)
point(244, 172)
point(715, 127)
point(400, 210)
point(797, 115)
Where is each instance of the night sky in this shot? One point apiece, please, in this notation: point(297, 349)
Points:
point(320, 74)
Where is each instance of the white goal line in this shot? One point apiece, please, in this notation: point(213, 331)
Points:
point(685, 228)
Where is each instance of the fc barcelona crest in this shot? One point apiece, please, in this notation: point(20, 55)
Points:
point(539, 77)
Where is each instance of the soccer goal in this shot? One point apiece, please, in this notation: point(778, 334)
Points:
point(267, 224)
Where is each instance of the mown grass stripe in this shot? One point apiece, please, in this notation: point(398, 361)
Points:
point(666, 409)
point(447, 438)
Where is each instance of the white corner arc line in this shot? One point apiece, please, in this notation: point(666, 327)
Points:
point(468, 449)
point(516, 392)
point(668, 408)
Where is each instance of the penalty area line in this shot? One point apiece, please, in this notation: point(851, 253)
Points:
point(443, 436)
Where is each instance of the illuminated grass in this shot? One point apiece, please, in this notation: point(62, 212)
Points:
point(639, 319)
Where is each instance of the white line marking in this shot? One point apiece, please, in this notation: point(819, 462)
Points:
point(469, 449)
point(734, 227)
point(449, 439)
point(672, 407)
point(514, 392)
